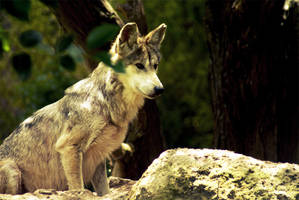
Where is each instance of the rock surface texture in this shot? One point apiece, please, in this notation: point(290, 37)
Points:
point(190, 174)
point(119, 189)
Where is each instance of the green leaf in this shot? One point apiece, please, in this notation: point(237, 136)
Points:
point(67, 62)
point(63, 43)
point(22, 64)
point(50, 3)
point(105, 58)
point(17, 8)
point(101, 35)
point(30, 38)
point(5, 45)
point(119, 67)
point(4, 41)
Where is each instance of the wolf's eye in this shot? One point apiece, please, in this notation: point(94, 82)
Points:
point(155, 66)
point(139, 66)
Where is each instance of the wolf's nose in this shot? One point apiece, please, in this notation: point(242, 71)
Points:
point(158, 90)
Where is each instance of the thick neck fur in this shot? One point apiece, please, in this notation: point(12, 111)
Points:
point(106, 90)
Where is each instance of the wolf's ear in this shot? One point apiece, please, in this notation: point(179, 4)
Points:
point(156, 36)
point(127, 37)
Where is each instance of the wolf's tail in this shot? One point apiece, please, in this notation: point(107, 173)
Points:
point(10, 177)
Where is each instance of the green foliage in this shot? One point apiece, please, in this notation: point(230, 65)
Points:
point(31, 78)
point(4, 42)
point(30, 38)
point(22, 64)
point(105, 57)
point(63, 43)
point(185, 108)
point(101, 35)
point(50, 3)
point(98, 37)
point(119, 67)
point(67, 62)
point(17, 8)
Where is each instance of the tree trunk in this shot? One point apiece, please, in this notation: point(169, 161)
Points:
point(253, 77)
point(78, 18)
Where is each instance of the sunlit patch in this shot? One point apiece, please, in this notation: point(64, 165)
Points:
point(101, 96)
point(28, 120)
point(108, 77)
point(127, 147)
point(86, 105)
point(83, 84)
point(79, 84)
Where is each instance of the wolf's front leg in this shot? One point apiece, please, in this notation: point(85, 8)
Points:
point(71, 159)
point(99, 180)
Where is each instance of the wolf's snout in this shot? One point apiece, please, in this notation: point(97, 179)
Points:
point(158, 90)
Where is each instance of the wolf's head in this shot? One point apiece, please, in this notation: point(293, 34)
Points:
point(141, 57)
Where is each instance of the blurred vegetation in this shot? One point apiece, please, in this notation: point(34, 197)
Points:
point(26, 87)
point(185, 106)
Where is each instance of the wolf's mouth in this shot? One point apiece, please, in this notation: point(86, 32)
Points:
point(145, 95)
point(151, 96)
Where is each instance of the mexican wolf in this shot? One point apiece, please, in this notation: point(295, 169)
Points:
point(63, 145)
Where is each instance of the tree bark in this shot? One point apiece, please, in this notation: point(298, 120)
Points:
point(253, 77)
point(133, 11)
point(78, 18)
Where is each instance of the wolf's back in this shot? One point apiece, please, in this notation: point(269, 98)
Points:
point(32, 134)
point(30, 149)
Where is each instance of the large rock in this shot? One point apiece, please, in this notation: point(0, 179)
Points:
point(189, 174)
